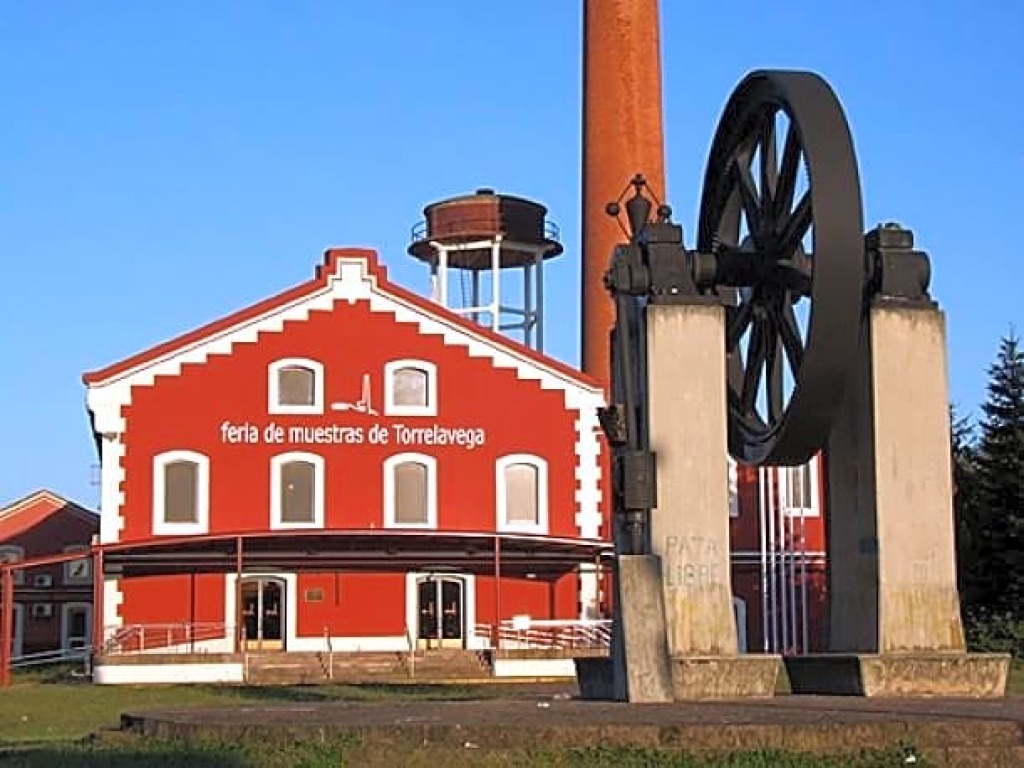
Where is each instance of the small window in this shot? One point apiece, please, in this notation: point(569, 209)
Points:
point(181, 488)
point(410, 388)
point(78, 571)
point(297, 491)
point(798, 489)
point(12, 554)
point(522, 493)
point(410, 491)
point(295, 385)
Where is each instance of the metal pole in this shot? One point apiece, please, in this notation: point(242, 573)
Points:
point(497, 593)
point(238, 595)
point(539, 308)
point(191, 611)
point(772, 561)
point(785, 480)
point(528, 315)
point(763, 524)
point(6, 626)
point(496, 282)
point(98, 618)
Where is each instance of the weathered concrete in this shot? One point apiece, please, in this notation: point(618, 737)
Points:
point(724, 677)
point(975, 675)
point(891, 538)
point(690, 526)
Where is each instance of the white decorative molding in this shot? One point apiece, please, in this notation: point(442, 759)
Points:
point(274, 404)
point(161, 527)
point(390, 511)
point(502, 524)
point(391, 408)
point(276, 466)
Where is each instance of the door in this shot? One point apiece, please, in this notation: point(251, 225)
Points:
point(440, 608)
point(75, 625)
point(263, 613)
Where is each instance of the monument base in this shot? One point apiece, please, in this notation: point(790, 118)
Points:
point(595, 676)
point(923, 673)
point(747, 676)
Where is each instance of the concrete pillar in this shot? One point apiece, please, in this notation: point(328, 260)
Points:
point(895, 626)
point(622, 136)
point(690, 526)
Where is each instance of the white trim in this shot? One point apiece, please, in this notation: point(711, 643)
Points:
point(19, 554)
point(412, 580)
point(112, 475)
point(65, 611)
point(389, 489)
point(202, 523)
point(66, 567)
point(113, 598)
point(142, 674)
point(734, 487)
point(19, 628)
point(502, 524)
point(555, 667)
point(273, 386)
point(276, 463)
point(393, 409)
point(786, 491)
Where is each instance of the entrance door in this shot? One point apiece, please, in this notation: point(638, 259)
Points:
point(76, 620)
point(263, 613)
point(440, 611)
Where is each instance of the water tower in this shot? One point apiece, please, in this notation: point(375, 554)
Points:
point(486, 254)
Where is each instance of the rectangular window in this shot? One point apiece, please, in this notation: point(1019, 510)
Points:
point(296, 386)
point(298, 483)
point(521, 494)
point(181, 492)
point(410, 493)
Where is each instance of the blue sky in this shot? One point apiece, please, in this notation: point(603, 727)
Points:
point(162, 164)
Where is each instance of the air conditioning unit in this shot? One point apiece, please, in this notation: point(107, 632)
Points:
point(43, 581)
point(42, 610)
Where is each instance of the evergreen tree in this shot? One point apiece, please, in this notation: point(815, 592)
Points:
point(1000, 481)
point(971, 576)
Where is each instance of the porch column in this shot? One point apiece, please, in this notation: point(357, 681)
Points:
point(97, 601)
point(496, 629)
point(238, 595)
point(6, 626)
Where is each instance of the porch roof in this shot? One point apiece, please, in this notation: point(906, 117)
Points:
point(481, 553)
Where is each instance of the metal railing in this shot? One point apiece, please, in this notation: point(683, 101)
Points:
point(177, 637)
point(547, 633)
point(57, 656)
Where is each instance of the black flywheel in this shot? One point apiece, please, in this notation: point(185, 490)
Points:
point(781, 208)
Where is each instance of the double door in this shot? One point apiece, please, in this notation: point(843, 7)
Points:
point(440, 604)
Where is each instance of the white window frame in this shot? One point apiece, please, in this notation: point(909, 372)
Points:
point(276, 465)
point(541, 465)
point(393, 409)
point(202, 525)
point(77, 580)
point(19, 554)
point(274, 386)
point(734, 487)
point(786, 493)
point(390, 512)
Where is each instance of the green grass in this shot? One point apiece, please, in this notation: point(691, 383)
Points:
point(1016, 682)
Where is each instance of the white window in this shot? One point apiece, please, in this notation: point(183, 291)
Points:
point(297, 491)
point(734, 488)
point(78, 571)
point(295, 385)
point(798, 489)
point(522, 493)
point(410, 491)
point(181, 493)
point(12, 554)
point(410, 388)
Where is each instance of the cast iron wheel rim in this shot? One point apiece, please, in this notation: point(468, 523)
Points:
point(771, 272)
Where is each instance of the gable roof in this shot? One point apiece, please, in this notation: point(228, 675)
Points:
point(324, 274)
point(28, 511)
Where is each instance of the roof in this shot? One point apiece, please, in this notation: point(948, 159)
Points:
point(317, 285)
point(29, 511)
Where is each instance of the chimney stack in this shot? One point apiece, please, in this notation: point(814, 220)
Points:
point(622, 136)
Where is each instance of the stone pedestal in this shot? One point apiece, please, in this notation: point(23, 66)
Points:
point(894, 603)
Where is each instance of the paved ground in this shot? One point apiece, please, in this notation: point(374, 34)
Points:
point(540, 716)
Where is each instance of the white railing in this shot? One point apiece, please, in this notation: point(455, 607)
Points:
point(330, 653)
point(410, 641)
point(523, 632)
point(178, 637)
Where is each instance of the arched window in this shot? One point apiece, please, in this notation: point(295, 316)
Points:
point(297, 491)
point(410, 491)
point(9, 553)
point(181, 493)
point(522, 493)
point(410, 388)
point(295, 385)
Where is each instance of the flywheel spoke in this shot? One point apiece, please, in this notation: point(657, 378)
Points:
point(789, 333)
point(749, 195)
point(754, 363)
point(769, 163)
point(787, 173)
point(796, 226)
point(773, 367)
point(739, 323)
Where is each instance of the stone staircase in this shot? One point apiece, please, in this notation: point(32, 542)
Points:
point(278, 668)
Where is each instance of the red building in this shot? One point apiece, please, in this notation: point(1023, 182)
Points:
point(384, 461)
point(52, 603)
